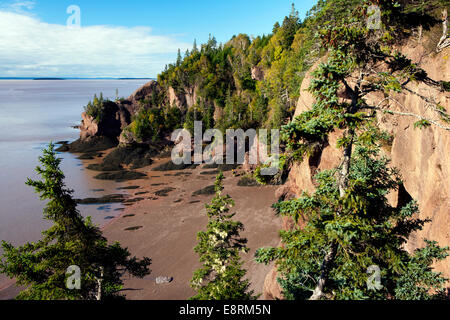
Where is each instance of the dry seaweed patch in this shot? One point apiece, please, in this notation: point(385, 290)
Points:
point(90, 156)
point(112, 198)
point(170, 166)
point(164, 192)
point(133, 228)
point(134, 200)
point(121, 176)
point(213, 172)
point(204, 191)
point(128, 188)
point(247, 182)
point(93, 144)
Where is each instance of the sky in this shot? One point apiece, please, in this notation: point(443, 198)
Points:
point(122, 39)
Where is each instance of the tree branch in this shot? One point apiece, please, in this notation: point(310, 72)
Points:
point(444, 41)
point(408, 114)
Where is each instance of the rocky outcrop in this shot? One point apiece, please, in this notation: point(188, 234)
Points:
point(146, 96)
point(113, 121)
point(257, 73)
point(183, 100)
point(422, 156)
point(117, 115)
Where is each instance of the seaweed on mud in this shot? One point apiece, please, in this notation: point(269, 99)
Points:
point(89, 156)
point(93, 144)
point(104, 167)
point(121, 176)
point(136, 156)
point(164, 192)
point(247, 182)
point(134, 200)
point(205, 191)
point(133, 228)
point(221, 167)
point(170, 166)
point(112, 198)
point(210, 172)
point(129, 188)
point(141, 193)
point(178, 174)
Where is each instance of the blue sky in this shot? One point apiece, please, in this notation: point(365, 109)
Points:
point(122, 38)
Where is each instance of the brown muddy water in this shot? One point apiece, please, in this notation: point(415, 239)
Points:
point(33, 113)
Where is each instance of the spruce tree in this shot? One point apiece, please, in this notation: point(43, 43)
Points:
point(42, 266)
point(219, 247)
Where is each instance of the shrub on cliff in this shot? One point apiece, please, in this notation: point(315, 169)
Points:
point(96, 108)
point(71, 241)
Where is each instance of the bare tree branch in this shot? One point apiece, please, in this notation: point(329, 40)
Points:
point(408, 114)
point(445, 40)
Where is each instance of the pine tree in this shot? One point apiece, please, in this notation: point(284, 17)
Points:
point(71, 241)
point(179, 58)
point(194, 47)
point(221, 275)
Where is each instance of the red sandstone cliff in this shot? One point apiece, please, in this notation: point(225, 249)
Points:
point(422, 156)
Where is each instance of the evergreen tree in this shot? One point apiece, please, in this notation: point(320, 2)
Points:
point(179, 58)
point(194, 47)
point(219, 247)
point(71, 241)
point(360, 229)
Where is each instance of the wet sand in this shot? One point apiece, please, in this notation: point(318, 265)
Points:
point(169, 225)
point(164, 228)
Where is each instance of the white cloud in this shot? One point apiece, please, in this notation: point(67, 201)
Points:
point(30, 47)
point(18, 6)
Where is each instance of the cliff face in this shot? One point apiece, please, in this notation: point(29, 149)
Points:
point(422, 156)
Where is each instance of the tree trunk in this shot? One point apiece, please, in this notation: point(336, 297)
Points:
point(444, 41)
point(318, 292)
point(345, 166)
point(98, 296)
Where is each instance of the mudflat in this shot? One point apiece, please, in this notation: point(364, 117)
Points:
point(164, 224)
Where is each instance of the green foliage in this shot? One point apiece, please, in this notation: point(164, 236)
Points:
point(221, 76)
point(279, 177)
point(445, 85)
point(199, 112)
point(147, 124)
point(419, 277)
point(71, 240)
point(368, 231)
point(96, 108)
point(422, 124)
point(219, 247)
point(173, 119)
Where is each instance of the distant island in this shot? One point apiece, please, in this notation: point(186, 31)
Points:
point(51, 78)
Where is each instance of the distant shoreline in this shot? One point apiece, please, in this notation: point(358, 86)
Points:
point(61, 79)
